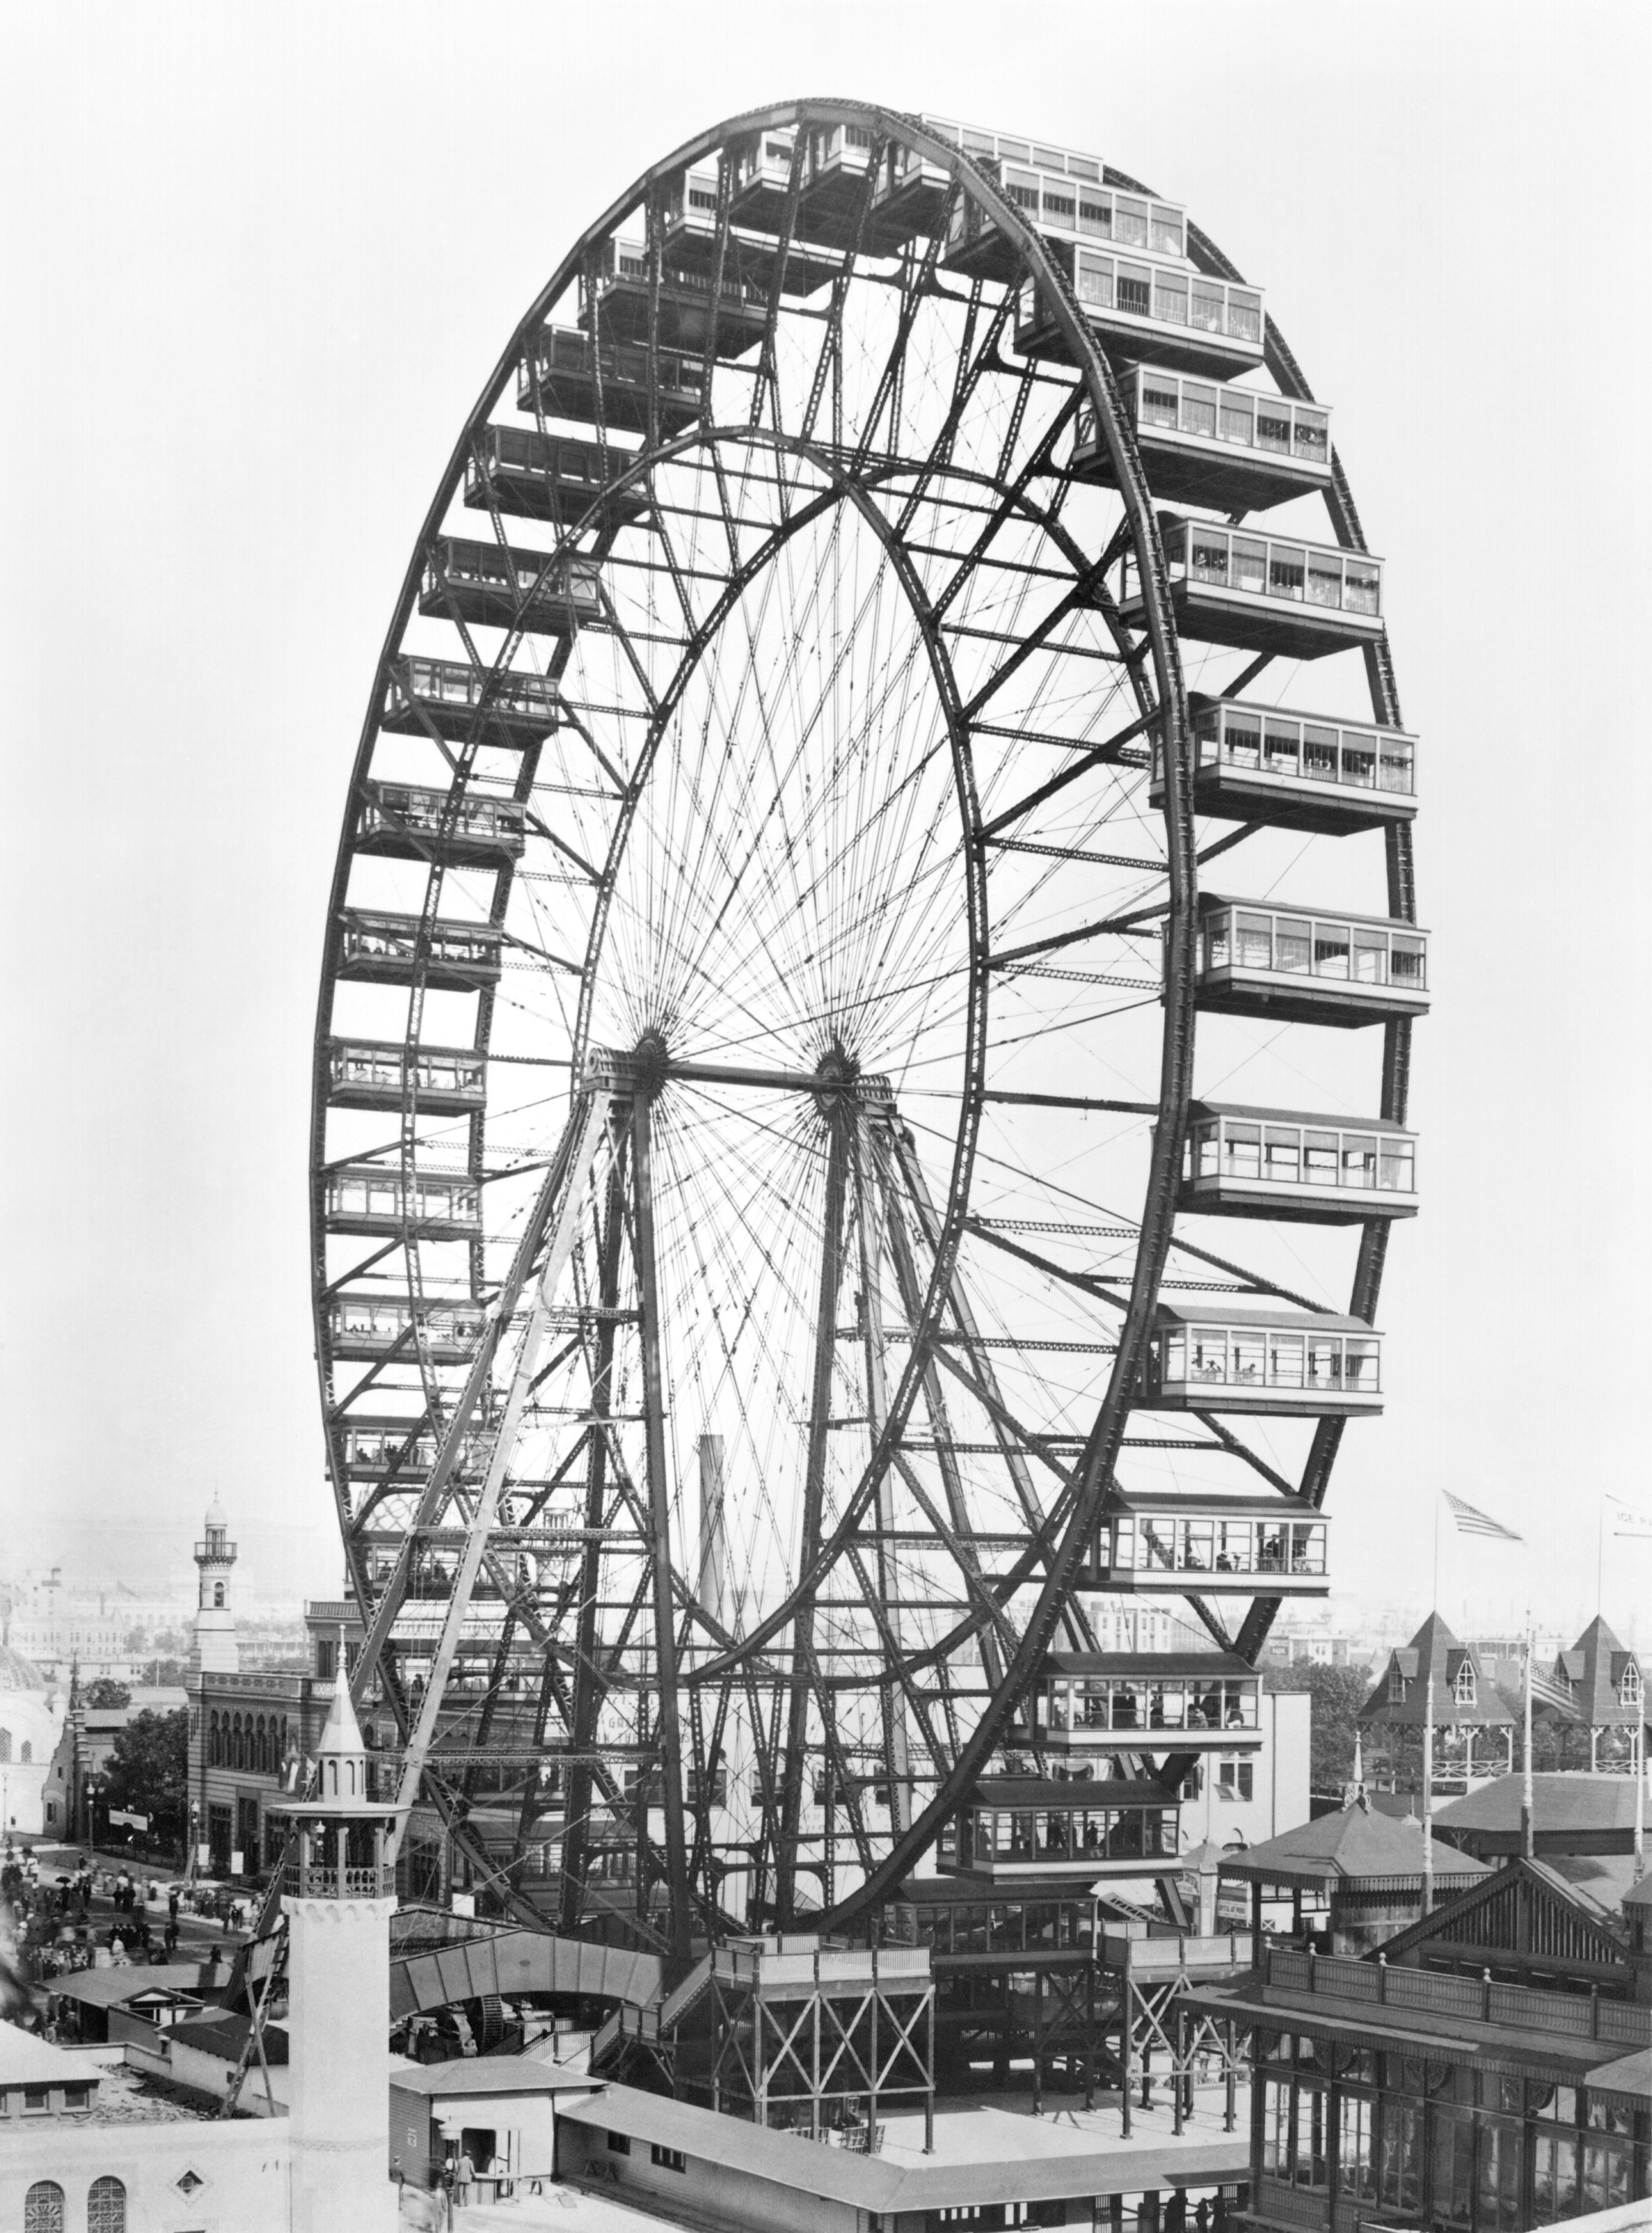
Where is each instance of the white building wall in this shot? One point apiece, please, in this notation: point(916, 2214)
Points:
point(31, 1723)
point(1279, 1780)
point(244, 2170)
point(338, 1978)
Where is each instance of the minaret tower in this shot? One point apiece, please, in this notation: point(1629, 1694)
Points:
point(215, 1650)
point(338, 1892)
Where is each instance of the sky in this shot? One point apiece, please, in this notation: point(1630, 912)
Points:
point(258, 262)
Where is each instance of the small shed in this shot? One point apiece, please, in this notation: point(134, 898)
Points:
point(487, 2125)
point(1353, 1878)
point(134, 2003)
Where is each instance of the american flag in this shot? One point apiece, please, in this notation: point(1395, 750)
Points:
point(1471, 1521)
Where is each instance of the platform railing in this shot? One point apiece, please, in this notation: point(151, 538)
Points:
point(1481, 2000)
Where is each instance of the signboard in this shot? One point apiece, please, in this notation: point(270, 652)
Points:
point(202, 1855)
point(128, 1820)
point(236, 1861)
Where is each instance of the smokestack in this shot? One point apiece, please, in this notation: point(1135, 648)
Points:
point(714, 1538)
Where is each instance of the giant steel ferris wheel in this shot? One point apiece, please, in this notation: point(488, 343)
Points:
point(773, 1276)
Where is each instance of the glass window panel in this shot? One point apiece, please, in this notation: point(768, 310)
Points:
point(1396, 1166)
point(1360, 1366)
point(1325, 578)
point(1158, 402)
point(1059, 205)
point(1244, 315)
point(1284, 1360)
point(1206, 309)
point(1250, 565)
point(1021, 188)
point(1273, 427)
point(1312, 437)
point(1370, 957)
point(1250, 1357)
point(1400, 2157)
point(1170, 300)
point(1167, 231)
point(1395, 766)
point(1244, 1143)
point(1361, 593)
point(1173, 1354)
point(1197, 409)
point(1198, 1546)
point(1206, 1150)
point(1330, 949)
point(1239, 419)
point(1324, 1361)
point(1292, 947)
point(1096, 214)
point(1243, 741)
point(1233, 1546)
point(1286, 571)
point(1208, 1346)
point(1283, 752)
point(1310, 2168)
point(1359, 1159)
point(1210, 555)
point(1218, 935)
point(1135, 289)
point(1129, 221)
point(1406, 961)
point(1319, 754)
point(1095, 280)
point(1255, 941)
point(1284, 1155)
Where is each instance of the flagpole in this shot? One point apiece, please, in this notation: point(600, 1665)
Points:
point(1429, 1787)
point(1528, 1837)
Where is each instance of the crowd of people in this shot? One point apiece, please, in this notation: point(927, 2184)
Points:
point(72, 1915)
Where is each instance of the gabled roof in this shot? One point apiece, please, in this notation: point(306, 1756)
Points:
point(1434, 1647)
point(1639, 1895)
point(1594, 1667)
point(1526, 1908)
point(1355, 1848)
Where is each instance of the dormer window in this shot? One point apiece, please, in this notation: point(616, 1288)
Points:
point(1629, 1686)
point(1463, 1688)
point(1397, 1687)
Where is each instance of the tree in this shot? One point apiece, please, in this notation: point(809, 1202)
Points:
point(1337, 1694)
point(107, 1694)
point(148, 1771)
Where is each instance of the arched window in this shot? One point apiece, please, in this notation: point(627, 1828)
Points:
point(5, 1744)
point(214, 1742)
point(259, 1745)
point(43, 2207)
point(1629, 1691)
point(28, 1754)
point(217, 1596)
point(1463, 1689)
point(106, 2207)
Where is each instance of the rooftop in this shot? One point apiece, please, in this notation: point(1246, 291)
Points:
point(1355, 1845)
point(1560, 1803)
point(491, 2075)
point(109, 1988)
point(983, 2154)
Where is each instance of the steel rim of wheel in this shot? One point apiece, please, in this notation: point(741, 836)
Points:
point(798, 818)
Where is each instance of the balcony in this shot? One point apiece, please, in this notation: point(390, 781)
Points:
point(1242, 1162)
point(1295, 771)
point(369, 1327)
point(369, 1198)
point(402, 822)
point(299, 1881)
point(563, 376)
point(376, 1074)
point(527, 590)
point(450, 699)
point(554, 477)
point(1285, 1365)
point(1288, 966)
point(1291, 599)
point(1148, 313)
point(1036, 1829)
point(909, 201)
point(1231, 449)
point(694, 242)
point(1158, 1543)
point(1113, 1702)
point(401, 1449)
point(386, 949)
point(621, 306)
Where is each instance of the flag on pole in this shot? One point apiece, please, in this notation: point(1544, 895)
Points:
point(1628, 1519)
point(1552, 1692)
point(1470, 1521)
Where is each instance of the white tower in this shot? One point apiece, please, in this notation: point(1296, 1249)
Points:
point(338, 1894)
point(215, 1650)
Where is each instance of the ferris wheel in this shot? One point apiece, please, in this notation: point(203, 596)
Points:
point(777, 1287)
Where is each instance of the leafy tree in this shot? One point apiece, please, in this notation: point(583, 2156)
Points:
point(148, 1771)
point(107, 1694)
point(1337, 1694)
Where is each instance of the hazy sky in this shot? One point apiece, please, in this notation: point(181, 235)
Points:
point(258, 262)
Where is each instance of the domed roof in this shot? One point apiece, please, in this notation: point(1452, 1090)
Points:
point(215, 1516)
point(18, 1673)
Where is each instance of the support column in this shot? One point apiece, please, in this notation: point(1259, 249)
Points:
point(669, 1744)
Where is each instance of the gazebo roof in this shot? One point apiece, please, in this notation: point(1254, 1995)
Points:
point(1400, 1695)
point(1593, 1668)
point(1355, 1848)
